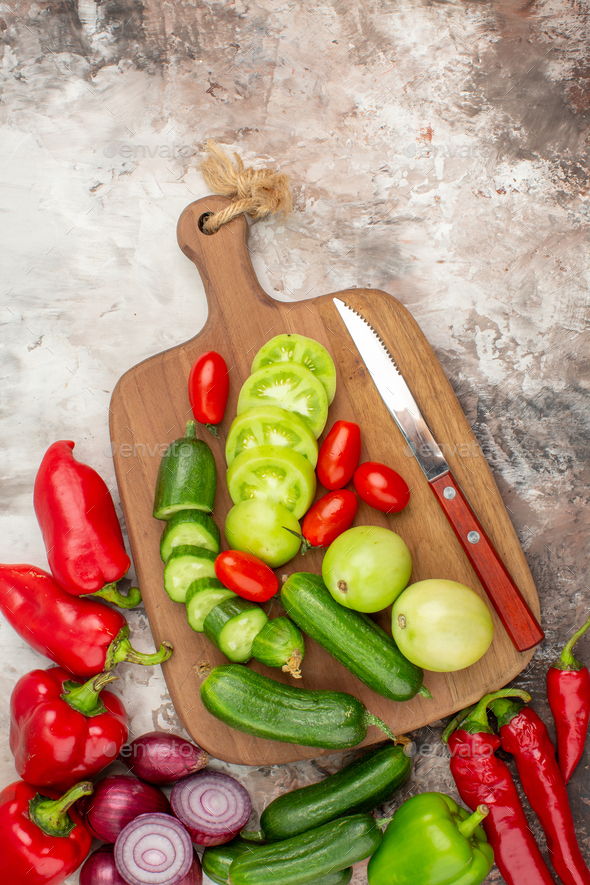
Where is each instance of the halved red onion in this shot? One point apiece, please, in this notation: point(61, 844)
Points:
point(212, 805)
point(161, 758)
point(100, 868)
point(154, 849)
point(117, 800)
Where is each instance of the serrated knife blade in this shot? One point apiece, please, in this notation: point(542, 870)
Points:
point(512, 609)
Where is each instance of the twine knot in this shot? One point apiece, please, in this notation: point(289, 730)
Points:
point(255, 192)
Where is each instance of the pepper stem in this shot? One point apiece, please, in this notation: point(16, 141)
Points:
point(468, 826)
point(51, 815)
point(120, 650)
point(567, 661)
point(477, 720)
point(86, 698)
point(455, 723)
point(505, 709)
point(191, 430)
point(111, 593)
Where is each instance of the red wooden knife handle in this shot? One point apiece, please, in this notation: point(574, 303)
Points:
point(519, 621)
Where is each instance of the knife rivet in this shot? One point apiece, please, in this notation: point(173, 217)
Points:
point(473, 537)
point(449, 493)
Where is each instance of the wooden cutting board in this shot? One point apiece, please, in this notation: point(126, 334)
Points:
point(149, 409)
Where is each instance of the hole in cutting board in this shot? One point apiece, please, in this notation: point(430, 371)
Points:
point(202, 221)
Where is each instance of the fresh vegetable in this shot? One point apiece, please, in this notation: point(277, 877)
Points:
point(162, 758)
point(62, 731)
point(270, 426)
point(329, 517)
point(441, 625)
point(309, 856)
point(354, 640)
point(361, 786)
point(366, 568)
point(255, 704)
point(232, 625)
point(483, 778)
point(280, 644)
point(208, 389)
point(289, 386)
point(80, 528)
point(42, 836)
point(433, 841)
point(246, 575)
point(100, 869)
point(298, 349)
point(268, 531)
point(381, 487)
point(191, 528)
point(185, 565)
point(154, 848)
point(81, 635)
point(212, 805)
point(187, 476)
point(218, 859)
point(339, 455)
point(277, 474)
point(201, 597)
point(117, 800)
point(524, 734)
point(568, 693)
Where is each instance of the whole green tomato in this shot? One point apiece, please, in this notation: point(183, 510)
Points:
point(366, 568)
point(441, 625)
point(265, 529)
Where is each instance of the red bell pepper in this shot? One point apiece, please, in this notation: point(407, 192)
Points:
point(483, 779)
point(80, 528)
point(83, 636)
point(42, 838)
point(63, 731)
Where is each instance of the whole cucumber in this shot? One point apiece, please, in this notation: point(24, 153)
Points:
point(217, 860)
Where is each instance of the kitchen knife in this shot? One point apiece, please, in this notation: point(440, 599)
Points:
point(509, 603)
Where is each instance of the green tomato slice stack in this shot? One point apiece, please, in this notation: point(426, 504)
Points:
point(276, 473)
point(270, 426)
point(289, 386)
point(305, 351)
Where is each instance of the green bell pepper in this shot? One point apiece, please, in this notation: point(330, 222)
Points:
point(432, 841)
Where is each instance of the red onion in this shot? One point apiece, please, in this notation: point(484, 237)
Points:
point(212, 805)
point(100, 868)
point(154, 849)
point(161, 758)
point(117, 800)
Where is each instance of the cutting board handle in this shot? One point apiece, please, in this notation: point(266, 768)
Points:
point(222, 258)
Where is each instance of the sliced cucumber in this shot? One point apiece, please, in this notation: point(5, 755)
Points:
point(232, 626)
point(280, 644)
point(186, 564)
point(289, 386)
point(189, 527)
point(299, 349)
point(270, 426)
point(277, 474)
point(203, 595)
point(187, 476)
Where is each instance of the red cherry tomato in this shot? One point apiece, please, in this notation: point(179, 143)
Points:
point(328, 518)
point(208, 389)
point(339, 455)
point(246, 575)
point(381, 487)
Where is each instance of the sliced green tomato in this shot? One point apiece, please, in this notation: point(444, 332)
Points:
point(289, 386)
point(306, 352)
point(270, 426)
point(275, 473)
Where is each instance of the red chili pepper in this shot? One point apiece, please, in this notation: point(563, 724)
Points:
point(208, 389)
point(83, 636)
point(63, 731)
point(43, 838)
point(568, 693)
point(329, 517)
point(483, 779)
point(524, 734)
point(339, 455)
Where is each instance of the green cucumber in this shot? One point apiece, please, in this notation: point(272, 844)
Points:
point(192, 527)
point(187, 476)
point(186, 564)
point(326, 849)
point(359, 787)
point(255, 704)
point(232, 626)
point(217, 860)
point(203, 595)
point(280, 644)
point(359, 645)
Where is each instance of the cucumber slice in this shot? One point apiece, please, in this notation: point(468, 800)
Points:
point(203, 595)
point(299, 349)
point(186, 564)
point(289, 386)
point(280, 644)
point(275, 473)
point(189, 527)
point(187, 476)
point(270, 426)
point(232, 626)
